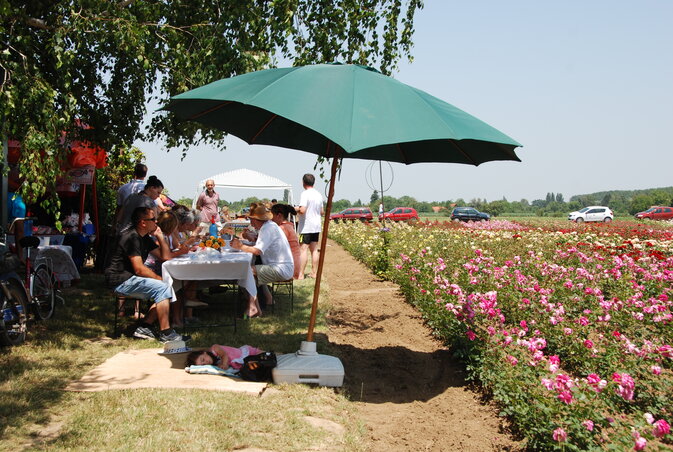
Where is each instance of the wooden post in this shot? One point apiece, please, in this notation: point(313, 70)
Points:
point(323, 248)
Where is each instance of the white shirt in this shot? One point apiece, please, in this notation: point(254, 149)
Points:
point(310, 222)
point(126, 190)
point(275, 248)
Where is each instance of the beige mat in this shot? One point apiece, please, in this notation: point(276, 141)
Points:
point(133, 369)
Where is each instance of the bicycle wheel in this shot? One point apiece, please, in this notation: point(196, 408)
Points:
point(13, 323)
point(42, 291)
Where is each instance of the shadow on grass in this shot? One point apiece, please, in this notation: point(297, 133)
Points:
point(62, 349)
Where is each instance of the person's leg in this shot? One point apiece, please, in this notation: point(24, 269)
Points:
point(315, 258)
point(161, 309)
point(266, 293)
point(176, 310)
point(137, 314)
point(253, 307)
point(304, 259)
point(153, 289)
point(151, 316)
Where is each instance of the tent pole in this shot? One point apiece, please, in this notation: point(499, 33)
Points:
point(323, 248)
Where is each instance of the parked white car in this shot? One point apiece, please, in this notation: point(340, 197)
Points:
point(592, 213)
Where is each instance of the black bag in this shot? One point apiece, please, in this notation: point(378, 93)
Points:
point(258, 367)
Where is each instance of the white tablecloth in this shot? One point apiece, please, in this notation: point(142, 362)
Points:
point(220, 266)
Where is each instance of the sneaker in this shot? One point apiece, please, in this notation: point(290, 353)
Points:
point(142, 332)
point(172, 335)
point(195, 304)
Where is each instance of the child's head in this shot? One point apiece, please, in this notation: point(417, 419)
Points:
point(200, 358)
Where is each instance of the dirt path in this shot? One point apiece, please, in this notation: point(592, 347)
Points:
point(410, 393)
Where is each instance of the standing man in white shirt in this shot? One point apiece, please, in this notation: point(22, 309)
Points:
point(136, 185)
point(310, 212)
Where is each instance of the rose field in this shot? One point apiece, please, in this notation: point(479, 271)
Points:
point(567, 327)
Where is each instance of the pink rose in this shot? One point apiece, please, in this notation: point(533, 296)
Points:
point(649, 418)
point(589, 425)
point(588, 344)
point(549, 384)
point(656, 370)
point(640, 443)
point(661, 428)
point(593, 379)
point(470, 335)
point(512, 360)
point(560, 435)
point(566, 397)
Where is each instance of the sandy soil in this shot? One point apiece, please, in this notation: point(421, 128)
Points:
point(410, 392)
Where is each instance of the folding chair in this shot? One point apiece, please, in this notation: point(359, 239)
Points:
point(287, 286)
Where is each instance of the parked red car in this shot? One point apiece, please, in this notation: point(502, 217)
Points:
point(656, 213)
point(400, 214)
point(353, 214)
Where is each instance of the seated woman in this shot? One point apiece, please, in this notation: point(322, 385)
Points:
point(274, 250)
point(225, 216)
point(167, 223)
point(281, 212)
point(186, 234)
point(222, 356)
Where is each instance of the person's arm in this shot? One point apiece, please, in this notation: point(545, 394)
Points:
point(221, 352)
point(199, 201)
point(236, 244)
point(164, 250)
point(141, 270)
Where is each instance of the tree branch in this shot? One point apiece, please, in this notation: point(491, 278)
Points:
point(37, 23)
point(41, 24)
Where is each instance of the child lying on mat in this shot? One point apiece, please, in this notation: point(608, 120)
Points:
point(222, 356)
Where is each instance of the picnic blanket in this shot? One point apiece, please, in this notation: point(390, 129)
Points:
point(132, 369)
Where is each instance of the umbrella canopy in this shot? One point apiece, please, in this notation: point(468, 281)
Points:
point(367, 114)
point(342, 111)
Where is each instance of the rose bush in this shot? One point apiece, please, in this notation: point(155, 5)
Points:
point(567, 326)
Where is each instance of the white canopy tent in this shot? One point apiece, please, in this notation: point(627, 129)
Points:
point(247, 179)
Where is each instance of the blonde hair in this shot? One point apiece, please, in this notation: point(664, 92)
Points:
point(167, 221)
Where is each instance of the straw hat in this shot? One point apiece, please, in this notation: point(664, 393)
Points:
point(172, 347)
point(261, 213)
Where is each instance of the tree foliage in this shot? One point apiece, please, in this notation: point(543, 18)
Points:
point(101, 62)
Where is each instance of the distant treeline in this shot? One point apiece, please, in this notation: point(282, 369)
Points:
point(622, 202)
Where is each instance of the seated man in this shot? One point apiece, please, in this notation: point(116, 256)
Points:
point(273, 248)
point(128, 275)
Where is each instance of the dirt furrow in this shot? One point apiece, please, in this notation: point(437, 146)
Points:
point(410, 392)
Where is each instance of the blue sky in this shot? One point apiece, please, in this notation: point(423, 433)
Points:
point(585, 86)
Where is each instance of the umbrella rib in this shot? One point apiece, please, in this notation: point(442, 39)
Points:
point(263, 127)
point(210, 110)
point(404, 156)
point(454, 143)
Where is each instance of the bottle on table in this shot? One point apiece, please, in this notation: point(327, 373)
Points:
point(213, 231)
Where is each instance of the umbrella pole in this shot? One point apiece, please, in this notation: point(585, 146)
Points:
point(323, 249)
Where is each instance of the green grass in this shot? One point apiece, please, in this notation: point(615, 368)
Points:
point(37, 414)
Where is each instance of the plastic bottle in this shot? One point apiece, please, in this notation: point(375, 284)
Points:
point(213, 227)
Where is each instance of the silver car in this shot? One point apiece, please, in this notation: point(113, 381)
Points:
point(592, 213)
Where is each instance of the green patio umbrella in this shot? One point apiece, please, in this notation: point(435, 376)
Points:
point(342, 111)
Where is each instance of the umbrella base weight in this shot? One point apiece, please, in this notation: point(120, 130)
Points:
point(307, 366)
